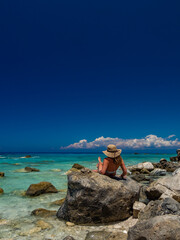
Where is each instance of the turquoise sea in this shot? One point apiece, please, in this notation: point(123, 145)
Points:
point(15, 208)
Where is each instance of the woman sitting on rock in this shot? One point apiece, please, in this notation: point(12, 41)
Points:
point(112, 162)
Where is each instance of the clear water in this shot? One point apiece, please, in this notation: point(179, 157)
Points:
point(15, 208)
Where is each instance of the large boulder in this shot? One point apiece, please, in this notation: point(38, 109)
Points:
point(166, 227)
point(96, 198)
point(169, 185)
point(40, 188)
point(159, 208)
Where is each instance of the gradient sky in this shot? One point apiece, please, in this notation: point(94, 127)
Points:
point(72, 70)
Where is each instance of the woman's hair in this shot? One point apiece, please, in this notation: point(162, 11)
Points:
point(117, 160)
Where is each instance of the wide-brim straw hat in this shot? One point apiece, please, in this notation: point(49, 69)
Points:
point(112, 151)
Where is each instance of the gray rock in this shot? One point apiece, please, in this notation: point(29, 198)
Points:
point(166, 227)
point(137, 207)
point(159, 208)
point(158, 172)
point(177, 171)
point(139, 177)
point(40, 188)
point(146, 165)
point(96, 198)
point(169, 185)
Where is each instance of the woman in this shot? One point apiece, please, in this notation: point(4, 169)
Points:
point(112, 162)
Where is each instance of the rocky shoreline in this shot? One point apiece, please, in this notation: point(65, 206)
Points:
point(145, 206)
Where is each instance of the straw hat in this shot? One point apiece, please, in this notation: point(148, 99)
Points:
point(112, 151)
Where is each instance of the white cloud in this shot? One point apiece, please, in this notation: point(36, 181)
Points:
point(150, 141)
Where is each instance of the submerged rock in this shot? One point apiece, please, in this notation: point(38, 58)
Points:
point(103, 235)
point(2, 174)
point(58, 202)
point(41, 212)
point(40, 188)
point(157, 228)
point(43, 225)
point(29, 169)
point(96, 198)
point(1, 191)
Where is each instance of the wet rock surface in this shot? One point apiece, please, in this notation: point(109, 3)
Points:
point(1, 191)
point(94, 198)
point(2, 174)
point(29, 169)
point(104, 235)
point(41, 212)
point(40, 188)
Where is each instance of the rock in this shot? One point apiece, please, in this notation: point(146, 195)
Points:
point(158, 172)
point(40, 188)
point(103, 235)
point(144, 171)
point(168, 166)
point(146, 165)
point(1, 191)
point(139, 177)
point(96, 198)
point(142, 195)
point(137, 207)
point(68, 238)
point(175, 159)
point(2, 174)
point(153, 193)
point(43, 225)
point(77, 166)
point(159, 208)
point(56, 170)
point(169, 185)
point(163, 160)
point(178, 152)
point(58, 202)
point(29, 169)
point(31, 231)
point(157, 228)
point(41, 212)
point(70, 224)
point(22, 170)
point(28, 156)
point(177, 171)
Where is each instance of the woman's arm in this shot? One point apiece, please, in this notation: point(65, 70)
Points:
point(123, 167)
point(104, 167)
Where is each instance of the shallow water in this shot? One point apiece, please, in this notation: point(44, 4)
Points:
point(15, 208)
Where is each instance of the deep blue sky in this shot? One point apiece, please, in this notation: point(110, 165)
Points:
point(71, 70)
